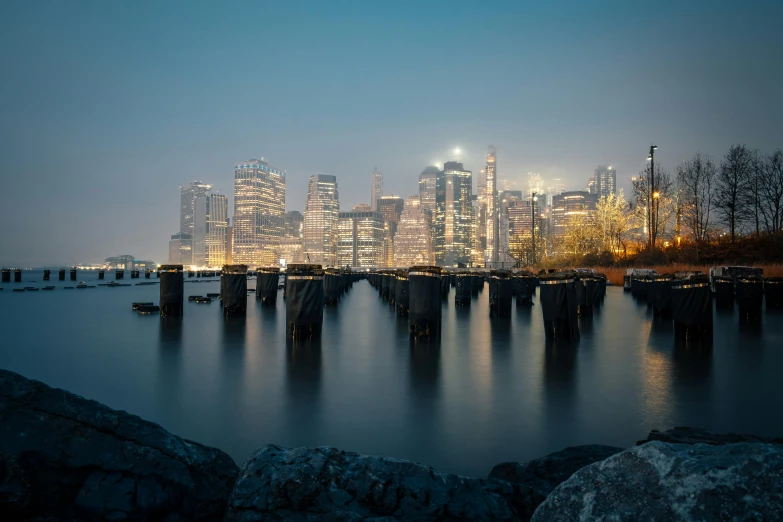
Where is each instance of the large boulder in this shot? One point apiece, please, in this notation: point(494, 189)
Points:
point(63, 457)
point(668, 482)
point(297, 484)
point(546, 473)
point(686, 435)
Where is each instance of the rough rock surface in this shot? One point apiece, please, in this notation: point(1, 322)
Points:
point(546, 473)
point(298, 484)
point(686, 435)
point(63, 457)
point(667, 482)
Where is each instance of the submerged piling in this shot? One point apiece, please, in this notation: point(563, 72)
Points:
point(723, 290)
point(773, 292)
point(47, 274)
point(464, 289)
point(119, 274)
point(559, 305)
point(304, 307)
point(172, 290)
point(524, 287)
point(500, 290)
point(17, 275)
point(147, 273)
point(749, 292)
point(61, 275)
point(402, 293)
point(233, 287)
point(477, 283)
point(73, 274)
point(692, 309)
point(445, 286)
point(6, 278)
point(100, 274)
point(662, 296)
point(331, 286)
point(424, 301)
point(266, 284)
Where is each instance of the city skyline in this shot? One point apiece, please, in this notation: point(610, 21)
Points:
point(135, 112)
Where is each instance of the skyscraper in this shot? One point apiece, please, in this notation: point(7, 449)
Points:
point(216, 230)
point(321, 216)
point(376, 189)
point(572, 209)
point(412, 243)
point(360, 238)
point(491, 256)
point(181, 249)
point(453, 211)
point(390, 208)
point(192, 201)
point(605, 181)
point(259, 208)
point(427, 182)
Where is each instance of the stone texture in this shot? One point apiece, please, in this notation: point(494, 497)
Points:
point(686, 435)
point(667, 482)
point(546, 473)
point(298, 484)
point(63, 457)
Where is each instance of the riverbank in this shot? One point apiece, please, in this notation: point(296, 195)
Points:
point(615, 274)
point(65, 457)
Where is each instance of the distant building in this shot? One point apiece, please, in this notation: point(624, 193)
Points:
point(259, 208)
point(592, 188)
point(605, 180)
point(427, 187)
point(321, 216)
point(492, 244)
point(181, 249)
point(390, 208)
point(216, 230)
point(290, 250)
point(294, 223)
point(376, 189)
point(413, 243)
point(229, 243)
point(144, 265)
point(125, 262)
point(362, 207)
point(453, 215)
point(572, 208)
point(360, 238)
point(192, 216)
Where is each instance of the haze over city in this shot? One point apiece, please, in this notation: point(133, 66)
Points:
point(109, 108)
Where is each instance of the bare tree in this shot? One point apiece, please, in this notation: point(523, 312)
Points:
point(650, 201)
point(771, 192)
point(697, 179)
point(731, 187)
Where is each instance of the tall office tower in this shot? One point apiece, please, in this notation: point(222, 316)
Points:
point(322, 211)
point(190, 196)
point(216, 230)
point(478, 243)
point(481, 212)
point(572, 209)
point(427, 182)
point(362, 207)
point(259, 208)
point(376, 189)
point(507, 198)
point(229, 243)
point(200, 217)
point(181, 249)
point(491, 255)
point(413, 243)
point(592, 188)
point(360, 238)
point(605, 181)
point(556, 188)
point(294, 221)
point(390, 208)
point(453, 211)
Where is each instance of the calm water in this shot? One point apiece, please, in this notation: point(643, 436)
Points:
point(491, 391)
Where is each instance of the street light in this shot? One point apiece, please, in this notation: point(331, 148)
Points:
point(651, 213)
point(533, 225)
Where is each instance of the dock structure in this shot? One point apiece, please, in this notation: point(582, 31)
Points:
point(749, 293)
point(17, 275)
point(100, 274)
point(267, 282)
point(331, 286)
point(119, 274)
point(73, 274)
point(662, 295)
point(172, 290)
point(425, 302)
point(402, 293)
point(233, 289)
point(47, 275)
point(559, 306)
point(304, 306)
point(692, 309)
point(500, 293)
point(464, 289)
point(61, 274)
point(524, 287)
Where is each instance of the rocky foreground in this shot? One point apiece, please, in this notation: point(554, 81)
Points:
point(63, 457)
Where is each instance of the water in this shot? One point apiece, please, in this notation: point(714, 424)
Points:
point(491, 391)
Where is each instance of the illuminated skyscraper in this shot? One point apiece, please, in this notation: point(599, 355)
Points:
point(491, 255)
point(453, 211)
point(181, 249)
point(574, 208)
point(376, 189)
point(605, 179)
point(321, 215)
point(360, 238)
point(390, 208)
point(216, 230)
point(412, 243)
point(193, 202)
point(259, 208)
point(427, 182)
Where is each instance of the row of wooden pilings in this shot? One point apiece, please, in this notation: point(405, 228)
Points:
point(47, 274)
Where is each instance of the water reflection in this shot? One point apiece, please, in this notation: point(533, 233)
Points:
point(559, 389)
point(169, 365)
point(424, 379)
point(303, 389)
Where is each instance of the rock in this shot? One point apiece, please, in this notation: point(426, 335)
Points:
point(686, 435)
point(297, 484)
point(546, 473)
point(63, 457)
point(667, 482)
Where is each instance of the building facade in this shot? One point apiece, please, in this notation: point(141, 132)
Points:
point(216, 230)
point(181, 249)
point(492, 242)
point(413, 243)
point(376, 189)
point(360, 239)
point(192, 216)
point(259, 208)
point(570, 209)
point(453, 212)
point(321, 216)
point(427, 188)
point(605, 180)
point(290, 250)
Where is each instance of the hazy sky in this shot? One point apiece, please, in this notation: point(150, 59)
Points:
point(106, 108)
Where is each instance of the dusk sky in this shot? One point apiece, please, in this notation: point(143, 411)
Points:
point(108, 107)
